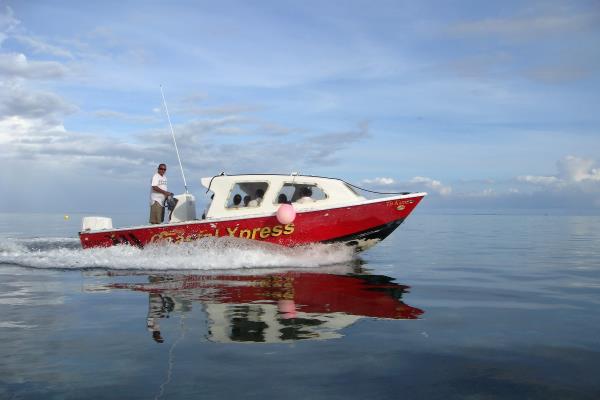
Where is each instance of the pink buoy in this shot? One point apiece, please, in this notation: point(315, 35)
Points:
point(286, 214)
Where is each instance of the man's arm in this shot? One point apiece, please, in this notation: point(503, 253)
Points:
point(159, 190)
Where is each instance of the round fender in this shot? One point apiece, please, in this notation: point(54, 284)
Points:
point(286, 214)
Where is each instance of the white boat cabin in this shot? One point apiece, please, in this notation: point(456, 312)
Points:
point(242, 195)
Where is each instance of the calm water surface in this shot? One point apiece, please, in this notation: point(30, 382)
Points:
point(450, 306)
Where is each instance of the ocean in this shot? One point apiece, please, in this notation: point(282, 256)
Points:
point(453, 305)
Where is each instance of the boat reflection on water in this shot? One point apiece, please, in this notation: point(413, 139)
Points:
point(274, 307)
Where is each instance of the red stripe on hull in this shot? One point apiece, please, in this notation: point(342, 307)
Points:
point(308, 227)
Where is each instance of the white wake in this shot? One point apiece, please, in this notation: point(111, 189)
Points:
point(205, 254)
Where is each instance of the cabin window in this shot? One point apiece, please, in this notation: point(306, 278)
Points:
point(300, 193)
point(246, 194)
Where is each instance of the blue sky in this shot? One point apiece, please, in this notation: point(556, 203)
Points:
point(481, 104)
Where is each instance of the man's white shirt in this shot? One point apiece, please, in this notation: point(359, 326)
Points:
point(161, 182)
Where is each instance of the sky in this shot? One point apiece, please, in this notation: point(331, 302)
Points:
point(483, 105)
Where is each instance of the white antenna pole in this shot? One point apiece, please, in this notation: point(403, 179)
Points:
point(174, 141)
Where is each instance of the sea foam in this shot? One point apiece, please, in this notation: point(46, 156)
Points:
point(205, 254)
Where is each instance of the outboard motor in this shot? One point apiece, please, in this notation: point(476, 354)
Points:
point(184, 208)
point(96, 223)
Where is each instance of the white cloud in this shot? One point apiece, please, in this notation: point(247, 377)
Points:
point(432, 184)
point(8, 23)
point(16, 100)
point(15, 65)
point(322, 148)
point(39, 46)
point(34, 131)
point(218, 110)
point(131, 118)
point(32, 121)
point(572, 171)
point(575, 169)
point(538, 180)
point(14, 129)
point(379, 181)
point(488, 192)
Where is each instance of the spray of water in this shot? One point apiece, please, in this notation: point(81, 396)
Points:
point(205, 254)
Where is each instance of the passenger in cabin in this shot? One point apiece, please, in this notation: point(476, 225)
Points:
point(158, 194)
point(306, 196)
point(259, 198)
point(246, 200)
point(282, 199)
point(237, 200)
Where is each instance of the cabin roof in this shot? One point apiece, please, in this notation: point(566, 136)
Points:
point(207, 181)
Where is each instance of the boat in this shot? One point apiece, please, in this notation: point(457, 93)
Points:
point(287, 210)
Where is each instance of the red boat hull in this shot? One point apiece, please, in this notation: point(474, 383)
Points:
point(351, 224)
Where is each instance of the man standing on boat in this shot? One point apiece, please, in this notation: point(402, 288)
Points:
point(158, 194)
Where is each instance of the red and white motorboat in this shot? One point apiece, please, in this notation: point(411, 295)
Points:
point(317, 210)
